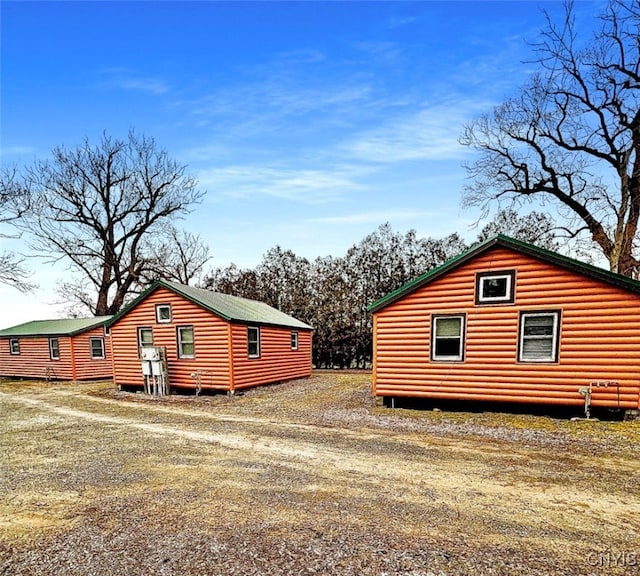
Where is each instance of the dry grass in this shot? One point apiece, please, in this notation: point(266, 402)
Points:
point(306, 477)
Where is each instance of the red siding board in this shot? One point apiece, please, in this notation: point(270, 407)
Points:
point(277, 360)
point(599, 338)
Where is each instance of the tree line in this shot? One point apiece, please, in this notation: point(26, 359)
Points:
point(333, 293)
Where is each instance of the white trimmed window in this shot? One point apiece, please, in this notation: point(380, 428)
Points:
point(294, 340)
point(495, 287)
point(539, 333)
point(447, 338)
point(163, 313)
point(253, 342)
point(54, 349)
point(186, 343)
point(145, 337)
point(97, 348)
point(14, 346)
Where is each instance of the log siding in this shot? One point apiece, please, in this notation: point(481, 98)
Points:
point(74, 361)
point(210, 357)
point(221, 358)
point(598, 337)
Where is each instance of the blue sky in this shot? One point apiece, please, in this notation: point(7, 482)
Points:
point(308, 124)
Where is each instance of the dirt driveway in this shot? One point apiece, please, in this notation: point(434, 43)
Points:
point(307, 477)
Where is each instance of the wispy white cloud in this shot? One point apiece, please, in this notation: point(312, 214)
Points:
point(306, 186)
point(9, 152)
point(130, 80)
point(251, 108)
point(430, 134)
point(398, 22)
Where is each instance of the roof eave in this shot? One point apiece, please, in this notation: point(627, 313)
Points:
point(432, 275)
point(139, 298)
point(56, 333)
point(534, 251)
point(176, 290)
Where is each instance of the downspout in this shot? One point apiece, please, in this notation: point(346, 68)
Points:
point(113, 358)
point(374, 357)
point(73, 359)
point(232, 383)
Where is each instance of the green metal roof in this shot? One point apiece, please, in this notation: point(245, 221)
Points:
point(230, 308)
point(62, 327)
point(519, 246)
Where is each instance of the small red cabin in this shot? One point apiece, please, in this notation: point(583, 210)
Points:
point(210, 340)
point(73, 349)
point(510, 322)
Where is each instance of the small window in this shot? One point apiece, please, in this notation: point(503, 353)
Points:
point(14, 346)
point(54, 349)
point(447, 342)
point(539, 336)
point(253, 338)
point(145, 337)
point(294, 340)
point(97, 348)
point(163, 313)
point(186, 348)
point(495, 287)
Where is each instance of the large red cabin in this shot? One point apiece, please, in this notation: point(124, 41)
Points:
point(510, 322)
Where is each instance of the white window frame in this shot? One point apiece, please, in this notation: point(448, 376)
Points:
point(159, 308)
point(53, 356)
point(482, 277)
point(94, 356)
point(141, 344)
point(448, 357)
point(255, 341)
point(14, 346)
point(295, 340)
point(182, 342)
point(554, 337)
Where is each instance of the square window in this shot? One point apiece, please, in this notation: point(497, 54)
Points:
point(97, 348)
point(495, 287)
point(54, 349)
point(447, 342)
point(538, 340)
point(163, 313)
point(294, 340)
point(253, 342)
point(186, 344)
point(14, 346)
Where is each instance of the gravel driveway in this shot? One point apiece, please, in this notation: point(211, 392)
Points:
point(307, 477)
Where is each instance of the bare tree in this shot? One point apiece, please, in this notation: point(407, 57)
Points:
point(95, 206)
point(13, 202)
point(572, 135)
point(177, 255)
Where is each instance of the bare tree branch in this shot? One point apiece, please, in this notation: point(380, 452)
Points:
point(177, 255)
point(14, 201)
point(572, 135)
